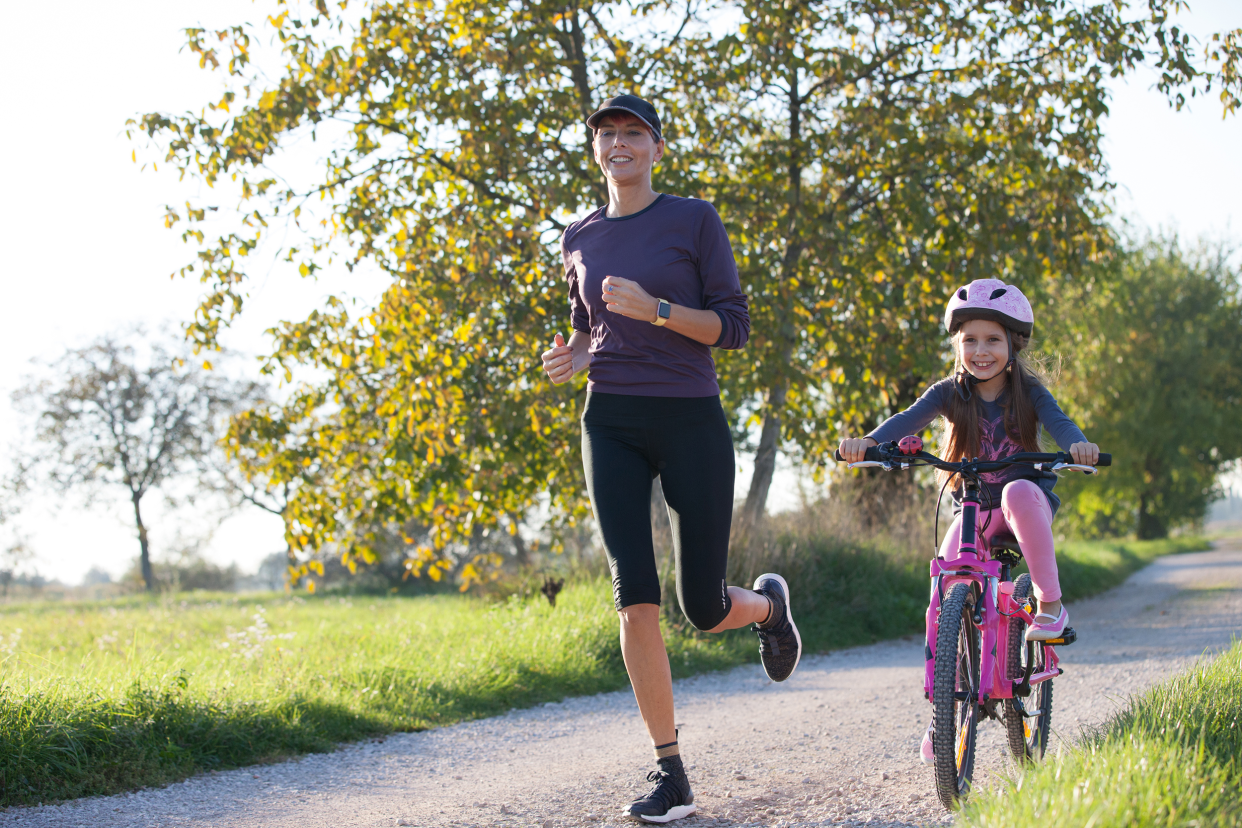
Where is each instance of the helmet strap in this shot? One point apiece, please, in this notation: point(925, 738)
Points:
point(964, 382)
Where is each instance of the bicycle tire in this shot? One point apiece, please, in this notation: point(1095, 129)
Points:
point(1027, 735)
point(955, 722)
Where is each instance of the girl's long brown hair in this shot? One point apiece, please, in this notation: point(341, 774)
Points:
point(961, 437)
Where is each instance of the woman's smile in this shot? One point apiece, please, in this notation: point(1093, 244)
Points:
point(626, 150)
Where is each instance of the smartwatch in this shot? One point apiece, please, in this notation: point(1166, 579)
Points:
point(663, 311)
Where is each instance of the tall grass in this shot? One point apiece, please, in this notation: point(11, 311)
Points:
point(1173, 757)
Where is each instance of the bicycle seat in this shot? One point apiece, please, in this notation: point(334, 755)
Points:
point(1003, 540)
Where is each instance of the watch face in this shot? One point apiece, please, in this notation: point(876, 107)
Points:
point(665, 310)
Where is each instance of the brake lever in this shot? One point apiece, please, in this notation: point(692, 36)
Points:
point(1075, 467)
point(871, 464)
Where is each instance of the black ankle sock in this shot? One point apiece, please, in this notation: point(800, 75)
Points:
point(672, 765)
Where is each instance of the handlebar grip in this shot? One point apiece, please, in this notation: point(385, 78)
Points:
point(1105, 460)
point(873, 454)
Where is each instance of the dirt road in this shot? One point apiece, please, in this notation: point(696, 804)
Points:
point(836, 744)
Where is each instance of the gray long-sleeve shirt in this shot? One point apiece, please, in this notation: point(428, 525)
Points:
point(676, 249)
point(994, 440)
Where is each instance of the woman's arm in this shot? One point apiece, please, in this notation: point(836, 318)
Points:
point(627, 298)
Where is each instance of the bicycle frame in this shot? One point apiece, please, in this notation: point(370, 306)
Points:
point(995, 610)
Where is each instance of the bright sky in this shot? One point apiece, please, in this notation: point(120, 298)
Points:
point(86, 253)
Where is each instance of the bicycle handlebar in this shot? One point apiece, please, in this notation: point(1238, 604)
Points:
point(886, 452)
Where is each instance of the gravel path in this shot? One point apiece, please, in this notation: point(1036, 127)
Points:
point(835, 745)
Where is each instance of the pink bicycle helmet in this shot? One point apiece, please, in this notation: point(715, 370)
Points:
point(990, 299)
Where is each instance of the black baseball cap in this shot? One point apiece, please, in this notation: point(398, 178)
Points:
point(628, 103)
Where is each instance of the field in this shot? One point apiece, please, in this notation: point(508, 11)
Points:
point(105, 696)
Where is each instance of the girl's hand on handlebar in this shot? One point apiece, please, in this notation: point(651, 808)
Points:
point(558, 361)
point(855, 448)
point(1086, 454)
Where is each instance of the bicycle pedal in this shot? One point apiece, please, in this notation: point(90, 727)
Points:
point(1067, 638)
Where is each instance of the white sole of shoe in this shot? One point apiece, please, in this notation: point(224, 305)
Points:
point(678, 812)
point(1046, 635)
point(788, 613)
point(923, 757)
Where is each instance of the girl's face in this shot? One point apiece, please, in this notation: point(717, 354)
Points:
point(625, 149)
point(983, 347)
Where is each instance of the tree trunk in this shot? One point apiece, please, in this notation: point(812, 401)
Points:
point(770, 437)
point(765, 459)
point(521, 553)
point(1151, 525)
point(148, 576)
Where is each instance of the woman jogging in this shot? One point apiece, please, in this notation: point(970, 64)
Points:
point(994, 405)
point(652, 289)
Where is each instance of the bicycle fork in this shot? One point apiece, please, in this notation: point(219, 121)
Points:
point(970, 565)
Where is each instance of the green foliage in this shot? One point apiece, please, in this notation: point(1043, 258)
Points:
point(1171, 758)
point(1153, 347)
point(866, 156)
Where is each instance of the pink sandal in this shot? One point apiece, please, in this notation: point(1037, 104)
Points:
point(1054, 627)
point(926, 752)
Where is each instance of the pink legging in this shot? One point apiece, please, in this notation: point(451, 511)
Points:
point(1024, 511)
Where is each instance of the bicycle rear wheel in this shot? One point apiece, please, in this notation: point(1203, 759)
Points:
point(1028, 722)
point(955, 696)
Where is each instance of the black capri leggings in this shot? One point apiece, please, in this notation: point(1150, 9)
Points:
point(626, 442)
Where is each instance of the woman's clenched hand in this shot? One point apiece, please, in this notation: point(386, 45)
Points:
point(558, 361)
point(627, 298)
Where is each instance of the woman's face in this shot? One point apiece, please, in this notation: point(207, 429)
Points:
point(625, 149)
point(983, 346)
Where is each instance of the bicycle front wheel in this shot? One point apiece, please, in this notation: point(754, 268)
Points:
point(955, 696)
point(1028, 722)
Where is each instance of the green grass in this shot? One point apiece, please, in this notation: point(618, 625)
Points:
point(1172, 758)
point(100, 697)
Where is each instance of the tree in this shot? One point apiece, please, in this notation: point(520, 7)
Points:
point(871, 157)
point(115, 419)
point(866, 155)
point(1153, 372)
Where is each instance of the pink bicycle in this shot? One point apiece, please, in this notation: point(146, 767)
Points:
point(979, 617)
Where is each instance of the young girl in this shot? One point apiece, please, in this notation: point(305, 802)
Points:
point(993, 406)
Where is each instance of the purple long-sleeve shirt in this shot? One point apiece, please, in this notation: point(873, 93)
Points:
point(676, 249)
point(995, 441)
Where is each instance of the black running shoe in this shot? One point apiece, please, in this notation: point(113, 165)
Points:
point(779, 642)
point(670, 799)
